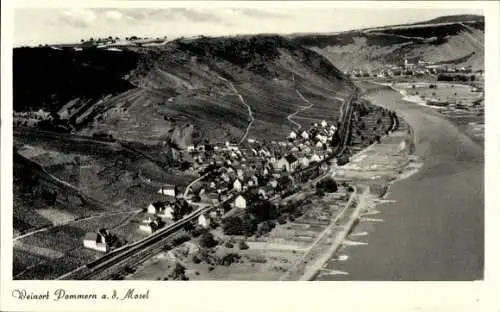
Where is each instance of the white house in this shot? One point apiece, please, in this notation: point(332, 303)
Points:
point(292, 135)
point(149, 226)
point(324, 124)
point(265, 172)
point(233, 155)
point(204, 221)
point(321, 138)
point(212, 185)
point(288, 163)
point(190, 148)
point(95, 241)
point(251, 141)
point(305, 135)
point(240, 202)
point(262, 193)
point(156, 207)
point(315, 158)
point(304, 162)
point(273, 183)
point(166, 213)
point(319, 144)
point(239, 173)
point(168, 190)
point(237, 185)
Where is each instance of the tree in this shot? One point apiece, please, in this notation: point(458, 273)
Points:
point(232, 225)
point(207, 240)
point(179, 273)
point(242, 245)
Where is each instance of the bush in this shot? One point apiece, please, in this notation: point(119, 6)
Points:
point(207, 240)
point(181, 239)
point(327, 185)
point(179, 273)
point(281, 220)
point(229, 258)
point(242, 245)
point(229, 245)
point(232, 226)
point(196, 259)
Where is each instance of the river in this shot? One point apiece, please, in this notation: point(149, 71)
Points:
point(434, 228)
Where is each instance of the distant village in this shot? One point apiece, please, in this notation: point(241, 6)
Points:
point(410, 69)
point(233, 177)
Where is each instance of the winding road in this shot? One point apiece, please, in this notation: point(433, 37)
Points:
point(300, 109)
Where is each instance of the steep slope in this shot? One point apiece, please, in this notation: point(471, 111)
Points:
point(450, 39)
point(219, 89)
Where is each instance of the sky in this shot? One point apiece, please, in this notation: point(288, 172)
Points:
point(60, 25)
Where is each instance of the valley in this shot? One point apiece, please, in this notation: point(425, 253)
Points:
point(250, 157)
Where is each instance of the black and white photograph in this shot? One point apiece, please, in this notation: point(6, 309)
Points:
point(246, 143)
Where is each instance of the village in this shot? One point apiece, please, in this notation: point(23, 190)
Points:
point(411, 68)
point(235, 177)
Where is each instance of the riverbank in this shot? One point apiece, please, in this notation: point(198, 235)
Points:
point(430, 226)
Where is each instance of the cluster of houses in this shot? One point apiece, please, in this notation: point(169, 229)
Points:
point(231, 171)
point(416, 68)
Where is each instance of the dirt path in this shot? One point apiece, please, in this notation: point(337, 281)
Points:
point(242, 100)
point(300, 109)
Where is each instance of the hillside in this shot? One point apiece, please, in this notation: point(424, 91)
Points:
point(187, 90)
point(449, 39)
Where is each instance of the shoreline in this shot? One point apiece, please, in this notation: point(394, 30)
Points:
point(366, 201)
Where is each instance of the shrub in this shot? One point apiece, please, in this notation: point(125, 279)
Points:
point(232, 226)
point(196, 259)
point(229, 245)
point(179, 273)
point(327, 185)
point(229, 258)
point(181, 239)
point(207, 240)
point(281, 220)
point(242, 245)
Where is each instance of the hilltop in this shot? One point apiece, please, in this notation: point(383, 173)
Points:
point(457, 39)
point(183, 91)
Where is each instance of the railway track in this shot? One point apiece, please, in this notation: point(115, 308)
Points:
point(134, 254)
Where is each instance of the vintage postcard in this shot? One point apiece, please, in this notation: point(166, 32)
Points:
point(242, 147)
